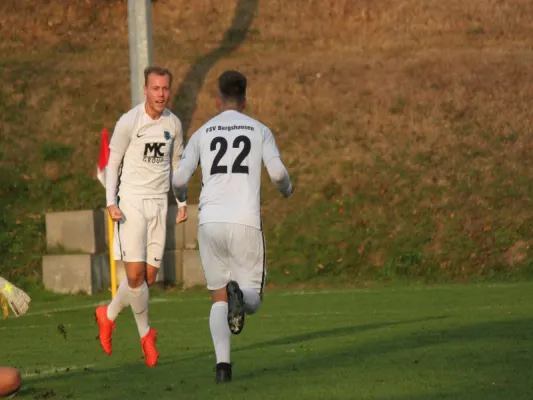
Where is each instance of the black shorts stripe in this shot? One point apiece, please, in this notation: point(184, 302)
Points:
point(118, 232)
point(264, 261)
point(118, 205)
point(119, 175)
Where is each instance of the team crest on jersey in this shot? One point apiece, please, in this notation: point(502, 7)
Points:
point(167, 135)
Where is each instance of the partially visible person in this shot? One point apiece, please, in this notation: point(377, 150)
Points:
point(19, 302)
point(10, 381)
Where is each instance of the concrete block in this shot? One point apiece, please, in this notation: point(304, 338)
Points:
point(172, 266)
point(73, 273)
point(105, 221)
point(175, 239)
point(101, 275)
point(192, 272)
point(80, 231)
point(191, 228)
point(90, 273)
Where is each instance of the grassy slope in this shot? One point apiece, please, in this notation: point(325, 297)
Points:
point(404, 124)
point(443, 342)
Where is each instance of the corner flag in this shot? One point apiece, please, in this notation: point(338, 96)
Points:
point(104, 157)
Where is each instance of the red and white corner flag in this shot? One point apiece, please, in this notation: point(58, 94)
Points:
point(104, 156)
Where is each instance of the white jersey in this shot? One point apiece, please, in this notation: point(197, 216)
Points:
point(141, 153)
point(230, 149)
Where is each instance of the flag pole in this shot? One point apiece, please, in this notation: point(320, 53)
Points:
point(5, 306)
point(100, 173)
point(112, 263)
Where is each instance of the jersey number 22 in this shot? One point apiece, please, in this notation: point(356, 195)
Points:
point(237, 167)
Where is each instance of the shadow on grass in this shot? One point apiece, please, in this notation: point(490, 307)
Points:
point(170, 363)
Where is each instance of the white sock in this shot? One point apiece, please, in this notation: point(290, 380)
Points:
point(252, 300)
point(218, 322)
point(120, 301)
point(139, 305)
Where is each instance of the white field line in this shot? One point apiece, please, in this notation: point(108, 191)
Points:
point(157, 300)
point(270, 294)
point(195, 299)
point(165, 320)
point(279, 316)
point(261, 316)
point(52, 370)
point(84, 306)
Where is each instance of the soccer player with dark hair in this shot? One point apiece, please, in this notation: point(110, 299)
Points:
point(230, 148)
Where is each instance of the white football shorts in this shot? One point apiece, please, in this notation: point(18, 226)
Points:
point(141, 234)
point(232, 252)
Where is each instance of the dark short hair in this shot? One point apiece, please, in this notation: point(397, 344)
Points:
point(157, 71)
point(232, 86)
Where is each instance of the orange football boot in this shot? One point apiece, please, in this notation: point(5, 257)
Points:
point(106, 327)
point(148, 345)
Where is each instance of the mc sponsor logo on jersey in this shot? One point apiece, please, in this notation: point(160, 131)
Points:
point(153, 153)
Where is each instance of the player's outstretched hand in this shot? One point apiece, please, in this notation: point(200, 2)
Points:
point(18, 300)
point(182, 215)
point(114, 213)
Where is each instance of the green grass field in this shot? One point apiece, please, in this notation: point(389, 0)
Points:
point(403, 342)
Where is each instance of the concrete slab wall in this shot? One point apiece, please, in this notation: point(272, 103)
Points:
point(78, 258)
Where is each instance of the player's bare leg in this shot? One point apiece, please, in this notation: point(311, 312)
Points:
point(151, 274)
point(139, 297)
